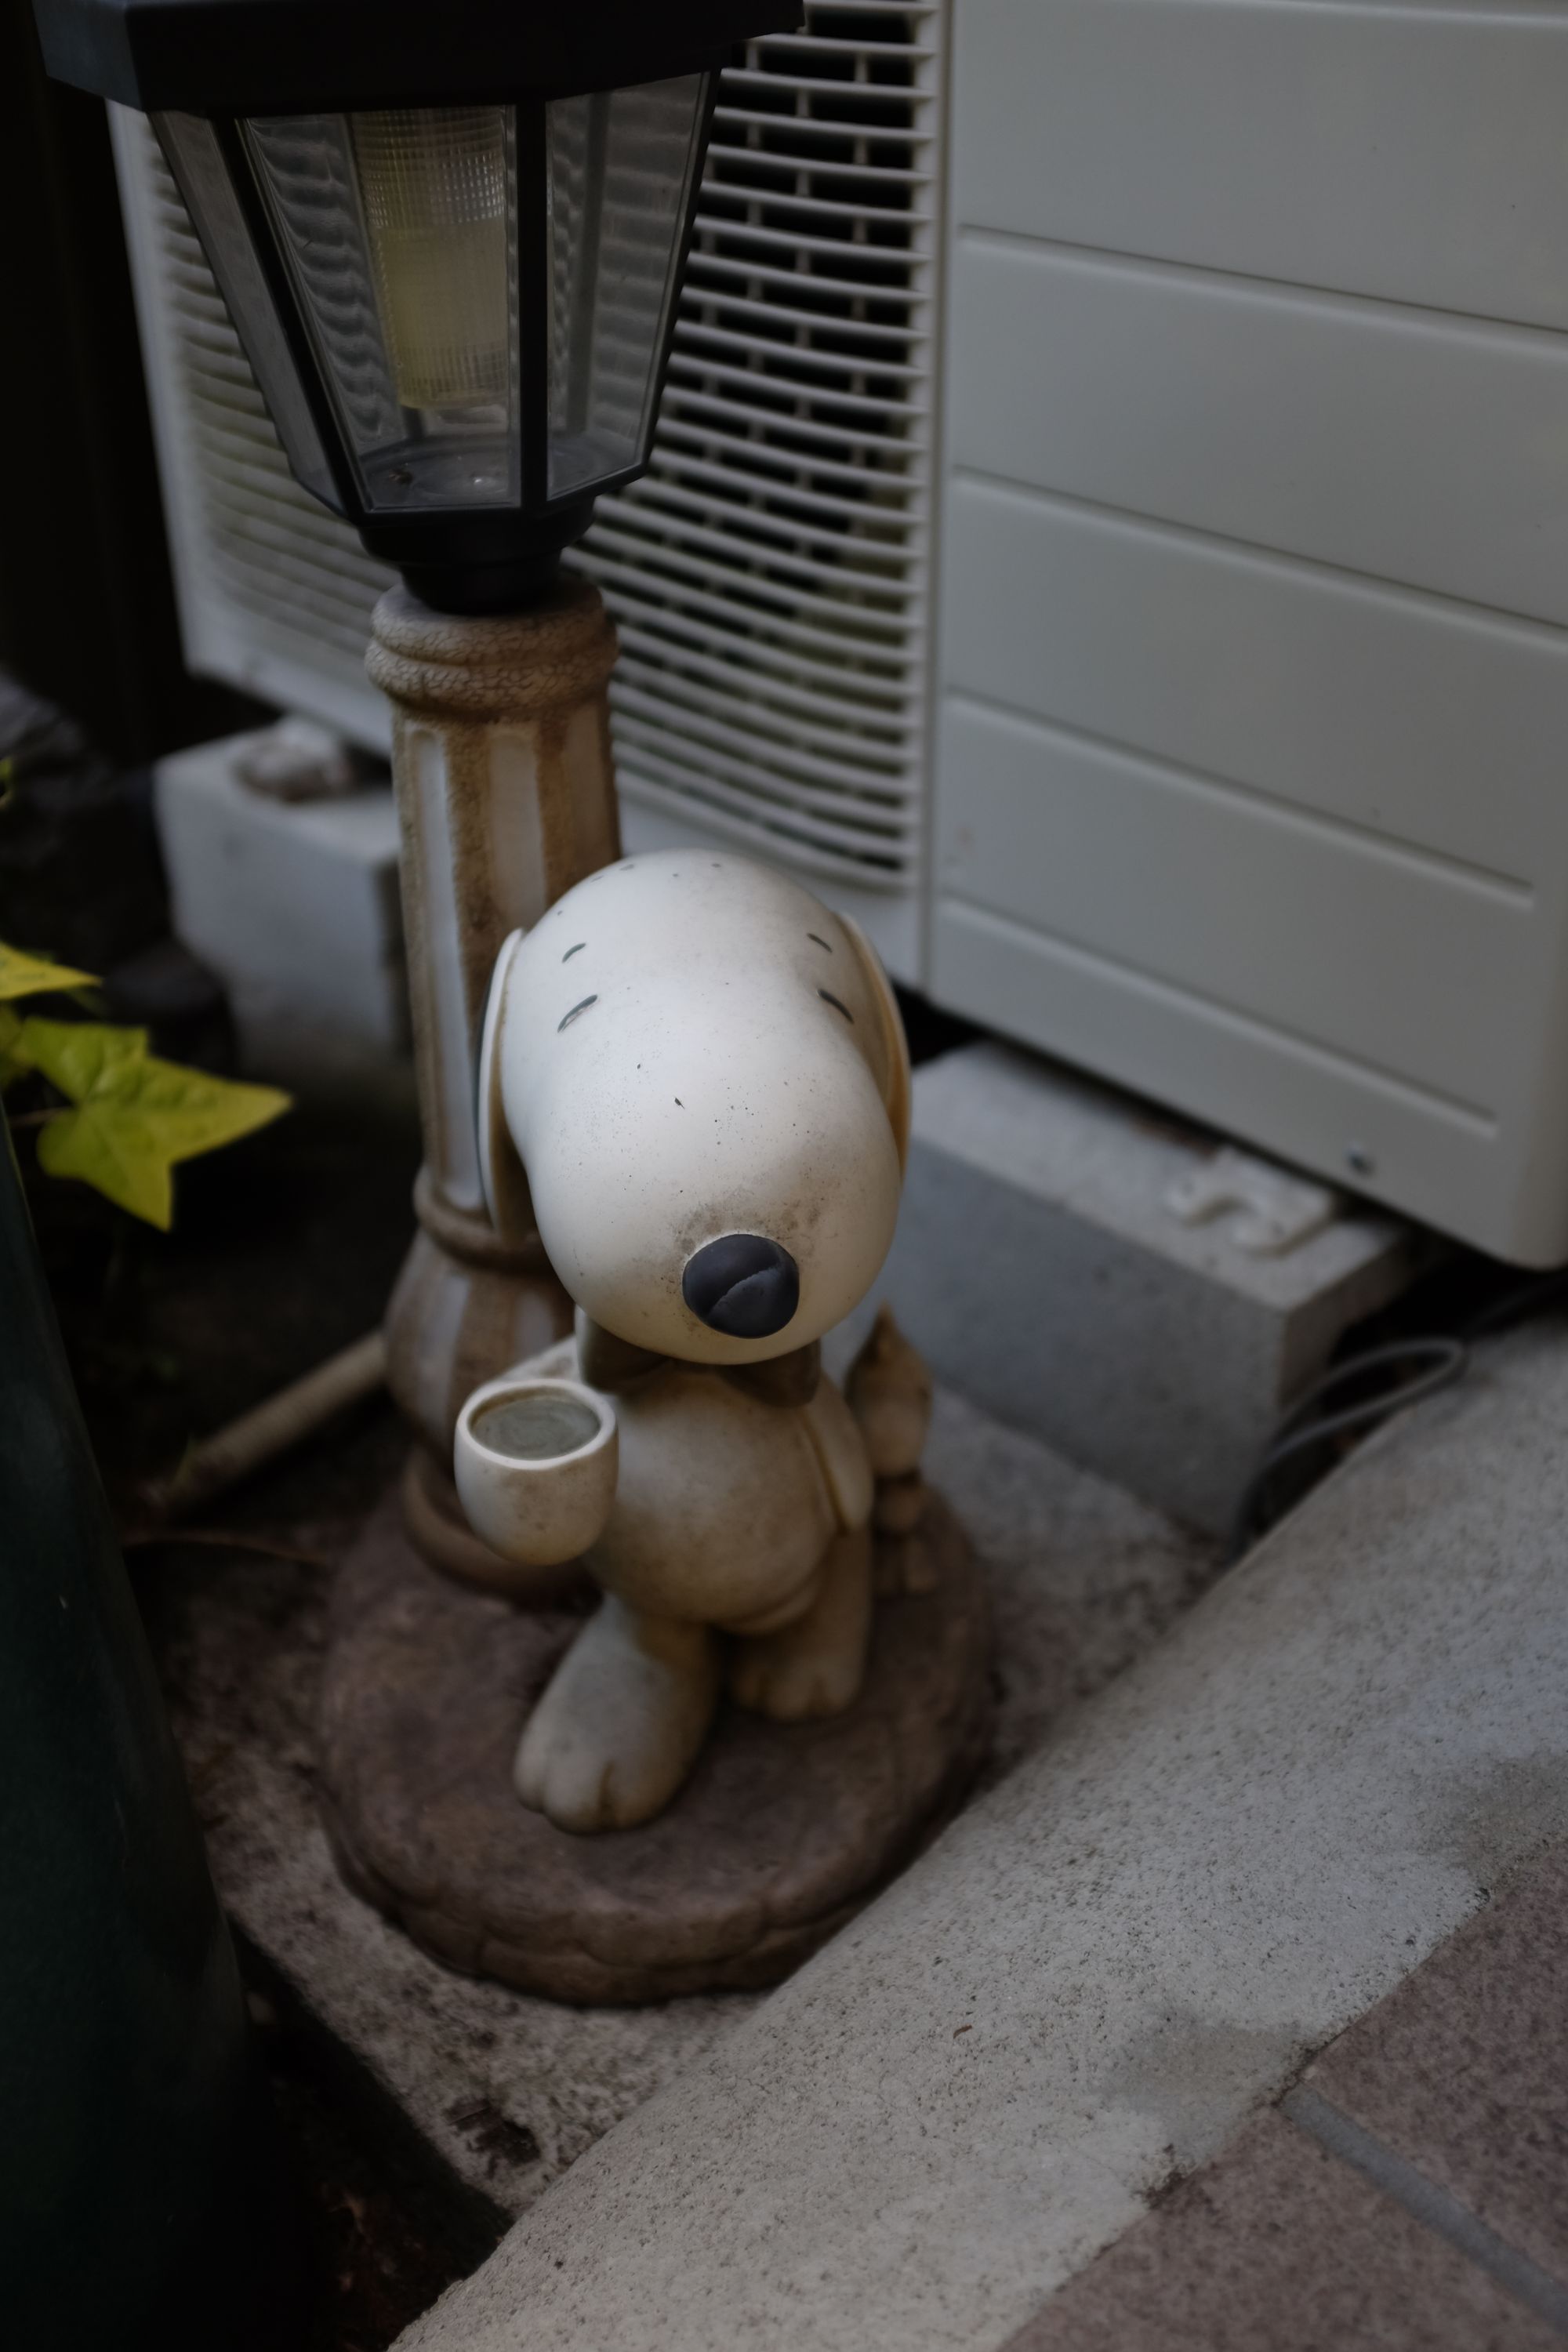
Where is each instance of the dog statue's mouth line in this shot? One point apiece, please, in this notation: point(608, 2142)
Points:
point(747, 1310)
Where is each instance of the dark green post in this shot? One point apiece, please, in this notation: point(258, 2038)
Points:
point(139, 2196)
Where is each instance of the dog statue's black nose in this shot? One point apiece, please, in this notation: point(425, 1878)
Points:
point(741, 1284)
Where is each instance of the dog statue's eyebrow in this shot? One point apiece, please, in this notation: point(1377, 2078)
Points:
point(577, 950)
point(568, 1017)
point(820, 940)
point(827, 998)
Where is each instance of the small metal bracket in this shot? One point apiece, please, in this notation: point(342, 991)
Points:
point(1277, 1212)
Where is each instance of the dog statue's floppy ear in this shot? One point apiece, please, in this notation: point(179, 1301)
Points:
point(501, 1172)
point(890, 1053)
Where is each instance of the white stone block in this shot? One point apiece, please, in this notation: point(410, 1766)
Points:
point(1042, 1269)
point(295, 906)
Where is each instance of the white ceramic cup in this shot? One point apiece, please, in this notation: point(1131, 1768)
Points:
point(535, 1462)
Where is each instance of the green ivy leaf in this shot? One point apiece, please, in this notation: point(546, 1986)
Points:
point(134, 1116)
point(30, 975)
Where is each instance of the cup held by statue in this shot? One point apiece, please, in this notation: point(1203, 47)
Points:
point(535, 1462)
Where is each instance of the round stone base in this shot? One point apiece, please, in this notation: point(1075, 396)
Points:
point(782, 1833)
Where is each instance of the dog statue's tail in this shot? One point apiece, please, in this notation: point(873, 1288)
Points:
point(889, 1391)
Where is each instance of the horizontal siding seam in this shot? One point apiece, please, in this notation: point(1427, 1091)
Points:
point(1273, 559)
point(1515, 891)
point(1038, 940)
point(1116, 260)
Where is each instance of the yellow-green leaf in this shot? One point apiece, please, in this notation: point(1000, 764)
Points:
point(135, 1116)
point(14, 1059)
point(30, 975)
point(85, 1058)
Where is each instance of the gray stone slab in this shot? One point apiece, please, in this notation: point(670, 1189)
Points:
point(1464, 2070)
point(1039, 1270)
point(505, 2090)
point(1434, 2207)
point(1276, 2247)
point(1101, 1968)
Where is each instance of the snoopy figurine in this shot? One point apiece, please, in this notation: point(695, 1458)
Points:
point(695, 1081)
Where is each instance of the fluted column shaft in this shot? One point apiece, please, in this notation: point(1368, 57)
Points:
point(506, 797)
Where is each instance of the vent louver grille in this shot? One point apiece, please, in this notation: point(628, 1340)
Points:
point(273, 587)
point(769, 574)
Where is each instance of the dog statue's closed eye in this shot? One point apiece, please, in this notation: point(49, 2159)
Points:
point(695, 1081)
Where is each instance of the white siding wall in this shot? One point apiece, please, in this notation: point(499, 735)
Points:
point(1253, 722)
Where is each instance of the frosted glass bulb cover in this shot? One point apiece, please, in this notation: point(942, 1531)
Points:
point(436, 184)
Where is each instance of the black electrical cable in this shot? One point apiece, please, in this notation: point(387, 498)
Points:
point(1516, 1304)
point(1437, 1362)
point(1440, 1358)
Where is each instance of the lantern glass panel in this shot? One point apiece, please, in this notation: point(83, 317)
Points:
point(620, 167)
point(201, 175)
point(399, 232)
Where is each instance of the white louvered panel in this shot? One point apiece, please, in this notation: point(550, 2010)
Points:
point(770, 573)
point(275, 592)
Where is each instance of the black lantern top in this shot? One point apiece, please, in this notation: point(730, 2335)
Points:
point(449, 235)
point(300, 57)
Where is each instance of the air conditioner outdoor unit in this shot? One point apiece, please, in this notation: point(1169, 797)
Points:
point(770, 576)
point(1109, 528)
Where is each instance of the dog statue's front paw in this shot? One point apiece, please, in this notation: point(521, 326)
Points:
point(619, 1727)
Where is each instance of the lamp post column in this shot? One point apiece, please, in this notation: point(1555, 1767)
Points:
point(506, 797)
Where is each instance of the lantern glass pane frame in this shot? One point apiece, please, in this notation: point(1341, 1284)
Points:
point(623, 168)
point(201, 164)
point(586, 341)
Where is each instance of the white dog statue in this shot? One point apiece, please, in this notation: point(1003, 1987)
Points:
point(695, 1081)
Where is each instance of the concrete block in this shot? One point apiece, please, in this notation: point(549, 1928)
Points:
point(1042, 1269)
point(294, 905)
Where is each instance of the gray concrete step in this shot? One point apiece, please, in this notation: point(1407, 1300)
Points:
point(1102, 1969)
